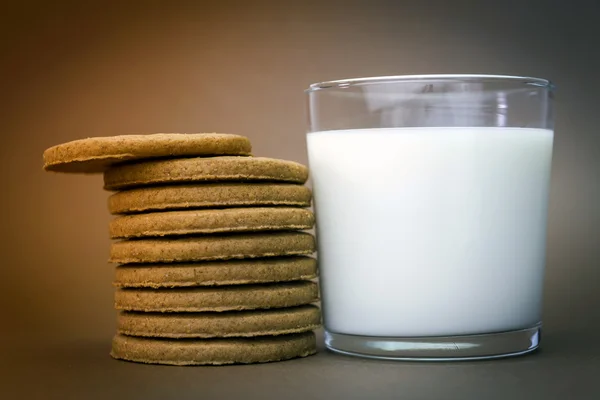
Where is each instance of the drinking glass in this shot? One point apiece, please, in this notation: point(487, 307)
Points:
point(431, 196)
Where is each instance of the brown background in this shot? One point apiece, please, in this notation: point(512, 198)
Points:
point(73, 70)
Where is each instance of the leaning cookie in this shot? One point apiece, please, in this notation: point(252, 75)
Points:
point(98, 153)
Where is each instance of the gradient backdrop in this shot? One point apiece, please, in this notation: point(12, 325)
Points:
point(75, 70)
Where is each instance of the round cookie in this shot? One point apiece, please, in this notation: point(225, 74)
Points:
point(208, 195)
point(213, 351)
point(222, 298)
point(98, 153)
point(216, 273)
point(229, 220)
point(280, 321)
point(207, 169)
point(217, 247)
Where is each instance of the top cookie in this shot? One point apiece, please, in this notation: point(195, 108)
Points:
point(97, 154)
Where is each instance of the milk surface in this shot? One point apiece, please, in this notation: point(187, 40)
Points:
point(430, 231)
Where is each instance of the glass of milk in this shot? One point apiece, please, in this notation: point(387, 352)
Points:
point(431, 197)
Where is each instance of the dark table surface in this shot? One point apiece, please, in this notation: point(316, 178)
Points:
point(566, 367)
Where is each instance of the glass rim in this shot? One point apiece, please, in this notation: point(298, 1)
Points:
point(472, 78)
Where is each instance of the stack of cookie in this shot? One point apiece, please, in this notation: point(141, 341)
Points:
point(213, 265)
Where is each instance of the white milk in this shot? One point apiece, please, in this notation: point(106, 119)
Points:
point(431, 231)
